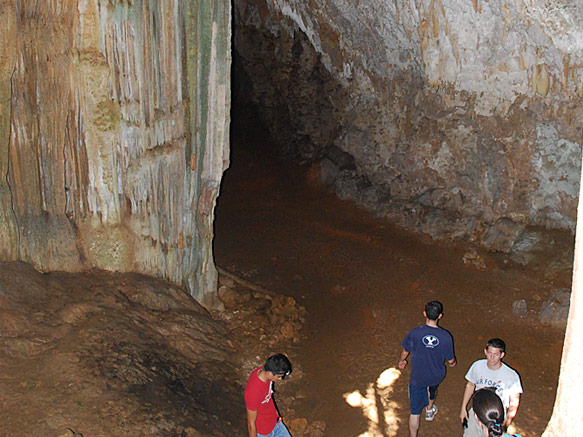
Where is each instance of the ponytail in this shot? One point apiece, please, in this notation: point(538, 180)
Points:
point(495, 428)
point(490, 411)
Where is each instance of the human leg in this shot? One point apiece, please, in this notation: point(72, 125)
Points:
point(418, 399)
point(413, 425)
point(432, 395)
point(431, 409)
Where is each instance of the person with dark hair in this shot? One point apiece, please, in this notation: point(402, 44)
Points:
point(491, 372)
point(489, 413)
point(430, 347)
point(263, 419)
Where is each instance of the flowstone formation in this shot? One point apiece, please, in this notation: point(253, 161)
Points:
point(456, 118)
point(114, 135)
point(112, 354)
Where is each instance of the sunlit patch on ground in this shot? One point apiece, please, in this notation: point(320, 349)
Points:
point(377, 406)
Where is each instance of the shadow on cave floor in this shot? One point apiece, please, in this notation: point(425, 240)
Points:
point(364, 284)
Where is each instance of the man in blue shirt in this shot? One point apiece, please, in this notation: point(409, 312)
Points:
point(430, 347)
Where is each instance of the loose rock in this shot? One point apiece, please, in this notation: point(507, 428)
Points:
point(556, 309)
point(520, 308)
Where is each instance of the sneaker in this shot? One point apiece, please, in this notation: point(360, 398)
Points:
point(430, 414)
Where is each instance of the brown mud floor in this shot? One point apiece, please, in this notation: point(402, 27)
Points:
point(108, 354)
point(364, 283)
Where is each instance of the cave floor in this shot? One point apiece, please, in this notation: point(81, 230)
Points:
point(364, 284)
point(105, 354)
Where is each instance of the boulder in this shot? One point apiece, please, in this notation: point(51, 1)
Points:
point(520, 308)
point(555, 310)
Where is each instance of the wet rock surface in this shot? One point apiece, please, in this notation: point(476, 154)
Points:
point(454, 118)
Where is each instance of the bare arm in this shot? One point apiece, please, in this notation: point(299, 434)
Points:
point(251, 418)
point(512, 409)
point(452, 362)
point(468, 392)
point(403, 359)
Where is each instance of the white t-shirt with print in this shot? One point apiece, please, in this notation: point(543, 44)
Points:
point(505, 379)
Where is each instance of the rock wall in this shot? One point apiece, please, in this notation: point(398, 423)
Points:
point(456, 118)
point(114, 135)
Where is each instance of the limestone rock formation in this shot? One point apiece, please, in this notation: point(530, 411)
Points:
point(458, 114)
point(114, 135)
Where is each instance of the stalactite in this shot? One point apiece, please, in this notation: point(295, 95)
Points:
point(111, 104)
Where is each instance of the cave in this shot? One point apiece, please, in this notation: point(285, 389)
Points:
point(311, 172)
point(407, 139)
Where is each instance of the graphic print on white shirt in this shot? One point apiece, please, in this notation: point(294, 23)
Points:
point(505, 380)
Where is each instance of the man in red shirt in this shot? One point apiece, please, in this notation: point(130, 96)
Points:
point(263, 419)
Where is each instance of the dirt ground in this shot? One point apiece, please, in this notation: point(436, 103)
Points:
point(301, 272)
point(104, 354)
point(364, 284)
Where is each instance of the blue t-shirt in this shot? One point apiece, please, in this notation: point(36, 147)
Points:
point(429, 347)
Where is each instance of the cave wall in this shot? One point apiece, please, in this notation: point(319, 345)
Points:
point(114, 123)
point(456, 118)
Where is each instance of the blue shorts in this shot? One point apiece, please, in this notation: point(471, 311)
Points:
point(419, 397)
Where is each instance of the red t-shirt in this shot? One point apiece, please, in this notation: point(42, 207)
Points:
point(258, 397)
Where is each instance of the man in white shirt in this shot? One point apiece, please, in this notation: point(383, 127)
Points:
point(491, 372)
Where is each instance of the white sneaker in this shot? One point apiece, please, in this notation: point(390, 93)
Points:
point(430, 414)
